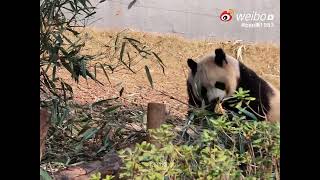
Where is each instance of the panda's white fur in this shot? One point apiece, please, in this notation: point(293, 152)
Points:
point(274, 112)
point(228, 71)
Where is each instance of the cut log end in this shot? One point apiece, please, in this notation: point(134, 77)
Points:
point(156, 115)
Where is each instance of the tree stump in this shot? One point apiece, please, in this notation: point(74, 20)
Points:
point(109, 165)
point(156, 116)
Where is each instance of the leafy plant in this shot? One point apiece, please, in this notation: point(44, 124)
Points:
point(229, 148)
point(62, 46)
point(97, 176)
point(241, 101)
point(44, 175)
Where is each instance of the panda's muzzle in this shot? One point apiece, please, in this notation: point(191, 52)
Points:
point(211, 106)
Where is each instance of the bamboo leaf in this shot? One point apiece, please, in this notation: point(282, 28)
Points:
point(95, 71)
point(158, 58)
point(149, 76)
point(131, 39)
point(160, 62)
point(67, 39)
point(73, 31)
point(99, 102)
point(90, 14)
point(64, 91)
point(116, 43)
point(83, 67)
point(111, 109)
point(105, 73)
point(83, 2)
point(129, 59)
point(121, 91)
point(69, 88)
point(54, 71)
point(122, 51)
point(248, 114)
point(121, 57)
point(103, 101)
point(131, 4)
point(85, 127)
point(89, 133)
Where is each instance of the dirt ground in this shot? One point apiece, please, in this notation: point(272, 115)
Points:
point(174, 51)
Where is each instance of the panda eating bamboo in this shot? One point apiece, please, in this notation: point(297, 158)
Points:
point(218, 76)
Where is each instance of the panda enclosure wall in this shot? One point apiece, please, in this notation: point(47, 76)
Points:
point(189, 18)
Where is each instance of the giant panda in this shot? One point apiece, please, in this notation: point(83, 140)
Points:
point(218, 76)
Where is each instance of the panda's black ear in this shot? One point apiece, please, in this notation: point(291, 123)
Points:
point(220, 57)
point(193, 66)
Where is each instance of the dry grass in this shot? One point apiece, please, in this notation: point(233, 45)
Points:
point(174, 51)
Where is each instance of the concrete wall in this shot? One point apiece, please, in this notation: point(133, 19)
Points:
point(192, 18)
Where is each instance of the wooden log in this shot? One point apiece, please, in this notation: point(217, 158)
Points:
point(110, 165)
point(44, 126)
point(156, 115)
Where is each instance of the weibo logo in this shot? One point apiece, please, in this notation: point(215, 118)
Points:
point(226, 15)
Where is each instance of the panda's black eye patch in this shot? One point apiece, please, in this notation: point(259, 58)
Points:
point(220, 85)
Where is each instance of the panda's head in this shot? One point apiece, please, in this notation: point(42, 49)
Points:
point(214, 77)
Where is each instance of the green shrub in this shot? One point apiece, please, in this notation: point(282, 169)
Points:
point(218, 155)
point(97, 176)
point(229, 148)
